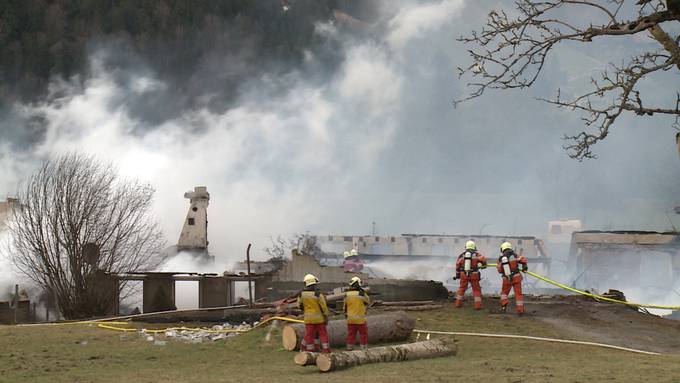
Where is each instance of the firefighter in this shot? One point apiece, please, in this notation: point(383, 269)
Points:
point(467, 270)
point(509, 266)
point(313, 304)
point(356, 303)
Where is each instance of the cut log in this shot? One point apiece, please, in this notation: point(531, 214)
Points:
point(390, 327)
point(412, 308)
point(410, 351)
point(306, 358)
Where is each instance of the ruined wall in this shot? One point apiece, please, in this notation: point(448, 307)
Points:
point(620, 260)
point(23, 314)
point(405, 290)
point(288, 282)
point(381, 289)
point(215, 292)
point(158, 293)
point(301, 265)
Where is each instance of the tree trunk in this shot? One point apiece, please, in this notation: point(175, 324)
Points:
point(398, 353)
point(667, 42)
point(306, 358)
point(392, 327)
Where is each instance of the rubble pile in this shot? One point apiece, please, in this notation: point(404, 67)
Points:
point(197, 335)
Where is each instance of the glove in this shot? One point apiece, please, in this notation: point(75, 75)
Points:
point(483, 267)
point(526, 268)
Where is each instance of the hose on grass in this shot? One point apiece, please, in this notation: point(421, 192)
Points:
point(536, 338)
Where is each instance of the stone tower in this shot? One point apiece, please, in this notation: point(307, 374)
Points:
point(194, 236)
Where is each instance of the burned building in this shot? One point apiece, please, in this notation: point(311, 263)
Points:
point(287, 281)
point(625, 259)
point(422, 246)
point(428, 256)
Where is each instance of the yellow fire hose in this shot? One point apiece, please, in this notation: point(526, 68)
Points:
point(596, 296)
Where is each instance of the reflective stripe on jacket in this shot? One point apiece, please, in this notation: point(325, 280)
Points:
point(356, 302)
point(313, 305)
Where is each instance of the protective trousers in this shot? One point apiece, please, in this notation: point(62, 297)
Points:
point(516, 285)
point(352, 330)
point(473, 279)
point(311, 332)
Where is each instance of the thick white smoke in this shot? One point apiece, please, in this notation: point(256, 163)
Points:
point(376, 139)
point(271, 164)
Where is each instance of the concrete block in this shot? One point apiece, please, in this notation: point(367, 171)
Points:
point(215, 292)
point(159, 293)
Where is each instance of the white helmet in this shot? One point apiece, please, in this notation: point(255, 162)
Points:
point(353, 252)
point(345, 254)
point(355, 281)
point(470, 245)
point(310, 280)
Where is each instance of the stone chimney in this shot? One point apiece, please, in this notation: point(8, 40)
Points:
point(194, 234)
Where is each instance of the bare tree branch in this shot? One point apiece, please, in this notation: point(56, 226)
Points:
point(511, 52)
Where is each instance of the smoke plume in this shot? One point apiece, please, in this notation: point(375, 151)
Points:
point(362, 130)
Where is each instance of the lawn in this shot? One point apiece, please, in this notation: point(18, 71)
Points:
point(85, 353)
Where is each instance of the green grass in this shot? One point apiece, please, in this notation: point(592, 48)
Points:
point(58, 354)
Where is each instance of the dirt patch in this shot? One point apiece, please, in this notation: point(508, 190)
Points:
point(582, 318)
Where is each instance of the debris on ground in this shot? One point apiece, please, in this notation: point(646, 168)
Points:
point(197, 335)
point(615, 294)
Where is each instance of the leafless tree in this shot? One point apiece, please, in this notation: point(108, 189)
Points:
point(72, 203)
point(304, 243)
point(278, 249)
point(511, 51)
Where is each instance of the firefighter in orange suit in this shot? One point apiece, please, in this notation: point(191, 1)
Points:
point(510, 266)
point(356, 303)
point(313, 304)
point(467, 270)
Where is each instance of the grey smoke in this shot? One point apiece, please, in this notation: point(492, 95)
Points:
point(366, 132)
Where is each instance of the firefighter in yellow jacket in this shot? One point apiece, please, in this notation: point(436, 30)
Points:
point(356, 303)
point(313, 304)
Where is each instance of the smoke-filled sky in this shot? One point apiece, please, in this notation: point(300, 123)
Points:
point(329, 147)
